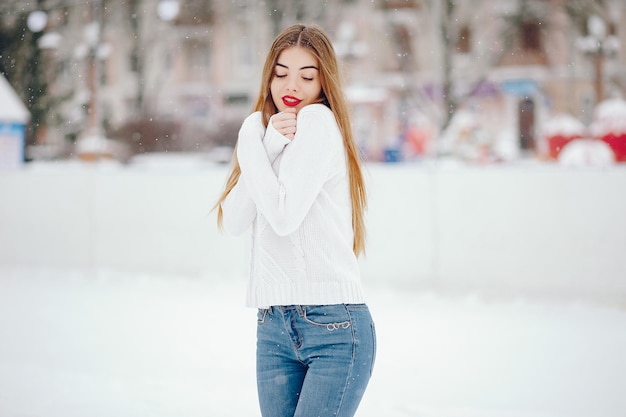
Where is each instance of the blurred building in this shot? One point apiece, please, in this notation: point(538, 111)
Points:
point(187, 71)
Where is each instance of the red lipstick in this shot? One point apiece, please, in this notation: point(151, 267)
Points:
point(291, 101)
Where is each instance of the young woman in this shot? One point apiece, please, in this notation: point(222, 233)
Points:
point(296, 180)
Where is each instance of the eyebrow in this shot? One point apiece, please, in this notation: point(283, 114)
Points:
point(278, 64)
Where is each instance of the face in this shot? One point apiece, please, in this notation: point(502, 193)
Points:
point(296, 80)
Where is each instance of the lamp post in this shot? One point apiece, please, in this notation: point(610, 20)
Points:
point(93, 36)
point(168, 10)
point(38, 77)
point(91, 143)
point(37, 21)
point(598, 45)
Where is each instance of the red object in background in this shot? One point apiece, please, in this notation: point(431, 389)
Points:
point(560, 130)
point(417, 140)
point(557, 142)
point(617, 142)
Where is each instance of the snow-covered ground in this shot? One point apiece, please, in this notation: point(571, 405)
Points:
point(118, 299)
point(76, 344)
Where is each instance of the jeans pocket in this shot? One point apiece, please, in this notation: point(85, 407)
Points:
point(332, 317)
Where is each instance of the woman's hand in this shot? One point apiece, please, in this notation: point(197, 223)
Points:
point(285, 123)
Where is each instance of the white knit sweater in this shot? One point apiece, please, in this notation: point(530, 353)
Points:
point(296, 196)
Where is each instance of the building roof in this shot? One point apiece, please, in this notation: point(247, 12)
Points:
point(12, 110)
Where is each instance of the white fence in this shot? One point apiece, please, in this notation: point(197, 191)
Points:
point(516, 230)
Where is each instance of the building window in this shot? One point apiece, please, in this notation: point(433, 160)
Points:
point(403, 59)
point(531, 36)
point(237, 99)
point(195, 12)
point(464, 41)
point(199, 56)
point(197, 60)
point(399, 4)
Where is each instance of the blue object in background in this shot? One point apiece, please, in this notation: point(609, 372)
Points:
point(393, 155)
point(12, 144)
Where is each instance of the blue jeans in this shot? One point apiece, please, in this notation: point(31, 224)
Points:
point(314, 361)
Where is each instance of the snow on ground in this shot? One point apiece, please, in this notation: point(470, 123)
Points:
point(91, 342)
point(110, 344)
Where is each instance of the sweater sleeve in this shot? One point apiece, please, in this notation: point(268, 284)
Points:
point(238, 209)
point(307, 161)
point(274, 142)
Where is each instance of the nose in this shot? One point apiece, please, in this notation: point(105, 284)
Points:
point(292, 84)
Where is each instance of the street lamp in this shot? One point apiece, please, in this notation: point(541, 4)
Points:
point(91, 143)
point(598, 45)
point(168, 10)
point(39, 145)
point(37, 21)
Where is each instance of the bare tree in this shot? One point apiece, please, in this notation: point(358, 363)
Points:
point(21, 62)
point(449, 101)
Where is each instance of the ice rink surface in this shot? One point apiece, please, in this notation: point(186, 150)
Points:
point(104, 344)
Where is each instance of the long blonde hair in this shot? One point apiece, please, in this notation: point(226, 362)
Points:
point(314, 39)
